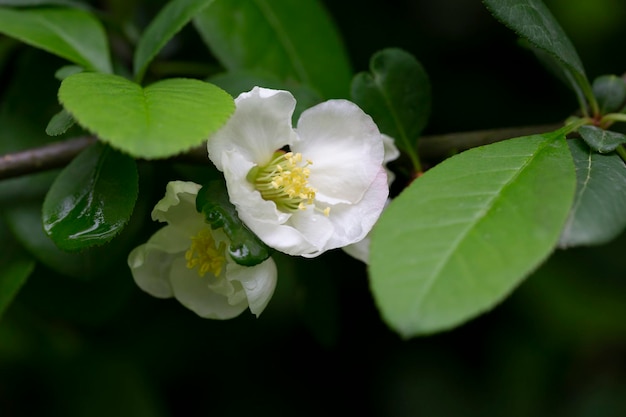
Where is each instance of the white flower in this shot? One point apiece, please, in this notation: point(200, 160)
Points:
point(307, 190)
point(188, 260)
point(361, 249)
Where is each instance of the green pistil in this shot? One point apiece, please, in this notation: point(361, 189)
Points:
point(284, 180)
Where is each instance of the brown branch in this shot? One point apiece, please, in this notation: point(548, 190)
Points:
point(59, 154)
point(54, 155)
point(441, 146)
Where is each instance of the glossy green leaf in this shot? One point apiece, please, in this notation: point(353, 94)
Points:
point(170, 20)
point(461, 237)
point(610, 91)
point(69, 33)
point(245, 247)
point(601, 140)
point(60, 123)
point(23, 121)
point(396, 93)
point(15, 267)
point(598, 214)
point(532, 20)
point(158, 121)
point(92, 198)
point(292, 40)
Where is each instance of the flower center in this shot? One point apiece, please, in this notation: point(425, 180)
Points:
point(205, 254)
point(285, 181)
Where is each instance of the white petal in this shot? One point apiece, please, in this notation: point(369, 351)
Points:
point(352, 222)
point(359, 250)
point(346, 149)
point(391, 150)
point(260, 125)
point(150, 270)
point(316, 228)
point(194, 293)
point(178, 206)
point(258, 281)
point(391, 154)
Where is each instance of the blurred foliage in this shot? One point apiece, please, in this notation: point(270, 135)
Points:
point(556, 347)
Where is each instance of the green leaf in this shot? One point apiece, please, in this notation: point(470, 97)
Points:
point(293, 40)
point(15, 267)
point(610, 91)
point(532, 20)
point(23, 121)
point(69, 33)
point(158, 121)
point(67, 70)
point(598, 214)
point(92, 198)
point(245, 247)
point(600, 140)
point(396, 94)
point(60, 123)
point(461, 237)
point(170, 20)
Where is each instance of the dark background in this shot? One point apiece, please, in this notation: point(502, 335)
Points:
point(555, 347)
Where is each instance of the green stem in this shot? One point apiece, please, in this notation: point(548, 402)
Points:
point(574, 125)
point(581, 81)
point(613, 117)
point(417, 165)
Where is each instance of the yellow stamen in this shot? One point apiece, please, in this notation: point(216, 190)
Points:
point(205, 254)
point(285, 181)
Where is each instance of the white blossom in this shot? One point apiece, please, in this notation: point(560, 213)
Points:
point(302, 191)
point(188, 260)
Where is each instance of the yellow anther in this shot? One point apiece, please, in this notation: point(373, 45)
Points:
point(205, 254)
point(285, 181)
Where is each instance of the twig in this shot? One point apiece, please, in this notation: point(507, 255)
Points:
point(59, 154)
point(441, 146)
point(54, 155)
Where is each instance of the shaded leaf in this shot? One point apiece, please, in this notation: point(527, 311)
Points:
point(396, 93)
point(15, 267)
point(601, 140)
point(23, 121)
point(92, 198)
point(170, 20)
point(598, 214)
point(557, 69)
point(461, 237)
point(292, 40)
point(60, 123)
point(69, 33)
point(610, 91)
point(237, 82)
point(532, 20)
point(161, 120)
point(245, 247)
